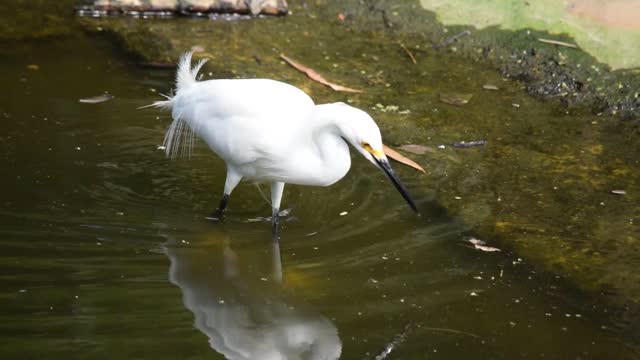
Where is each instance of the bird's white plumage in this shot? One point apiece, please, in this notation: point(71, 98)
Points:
point(266, 130)
point(269, 131)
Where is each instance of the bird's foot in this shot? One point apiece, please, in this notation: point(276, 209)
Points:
point(275, 224)
point(221, 210)
point(217, 215)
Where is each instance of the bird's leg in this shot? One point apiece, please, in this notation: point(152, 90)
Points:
point(275, 223)
point(233, 178)
point(277, 189)
point(219, 212)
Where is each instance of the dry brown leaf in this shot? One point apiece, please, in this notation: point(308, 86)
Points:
point(315, 76)
point(401, 158)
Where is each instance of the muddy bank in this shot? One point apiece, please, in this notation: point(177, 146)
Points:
point(569, 77)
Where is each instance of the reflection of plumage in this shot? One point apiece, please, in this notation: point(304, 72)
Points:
point(242, 324)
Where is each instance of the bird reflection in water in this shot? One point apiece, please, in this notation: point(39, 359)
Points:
point(243, 313)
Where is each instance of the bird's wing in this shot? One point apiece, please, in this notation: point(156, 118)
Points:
point(244, 120)
point(250, 98)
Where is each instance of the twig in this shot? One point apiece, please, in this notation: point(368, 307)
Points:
point(315, 76)
point(559, 43)
point(452, 39)
point(408, 329)
point(413, 59)
point(453, 331)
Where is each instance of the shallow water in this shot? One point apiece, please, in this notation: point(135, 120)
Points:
point(105, 252)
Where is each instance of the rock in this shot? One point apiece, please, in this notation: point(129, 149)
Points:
point(254, 7)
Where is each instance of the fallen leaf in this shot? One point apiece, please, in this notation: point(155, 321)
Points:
point(464, 144)
point(97, 99)
point(480, 245)
point(486, 248)
point(416, 149)
point(315, 76)
point(401, 158)
point(455, 99)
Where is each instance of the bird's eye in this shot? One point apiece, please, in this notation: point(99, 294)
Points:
point(371, 150)
point(366, 146)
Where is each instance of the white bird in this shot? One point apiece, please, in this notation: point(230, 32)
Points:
point(268, 131)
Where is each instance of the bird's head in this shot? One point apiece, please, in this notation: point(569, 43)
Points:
point(359, 129)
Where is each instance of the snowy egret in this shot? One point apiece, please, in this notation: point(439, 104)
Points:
point(267, 131)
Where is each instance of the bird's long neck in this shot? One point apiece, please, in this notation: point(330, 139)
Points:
point(327, 132)
point(327, 118)
point(329, 153)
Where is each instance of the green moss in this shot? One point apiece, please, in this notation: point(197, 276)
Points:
point(619, 47)
point(20, 19)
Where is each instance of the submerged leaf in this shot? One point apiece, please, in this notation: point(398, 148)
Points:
point(475, 241)
point(97, 99)
point(416, 149)
point(490, 87)
point(455, 99)
point(480, 245)
point(401, 158)
point(486, 248)
point(464, 144)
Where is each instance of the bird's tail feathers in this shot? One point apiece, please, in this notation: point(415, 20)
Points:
point(162, 104)
point(180, 138)
point(186, 75)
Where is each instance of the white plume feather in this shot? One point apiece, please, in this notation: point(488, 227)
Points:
point(180, 136)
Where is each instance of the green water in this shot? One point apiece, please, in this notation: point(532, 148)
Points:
point(105, 252)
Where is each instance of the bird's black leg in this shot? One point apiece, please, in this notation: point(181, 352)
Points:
point(275, 224)
point(276, 196)
point(219, 212)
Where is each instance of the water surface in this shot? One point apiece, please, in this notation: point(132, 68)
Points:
point(105, 252)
